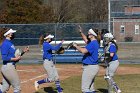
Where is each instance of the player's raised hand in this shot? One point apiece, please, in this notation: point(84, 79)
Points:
point(80, 29)
point(62, 41)
point(74, 44)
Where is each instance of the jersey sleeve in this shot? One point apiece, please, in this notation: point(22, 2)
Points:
point(50, 47)
point(89, 47)
point(112, 49)
point(4, 52)
point(46, 47)
point(55, 47)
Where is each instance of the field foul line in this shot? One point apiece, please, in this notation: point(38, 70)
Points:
point(27, 70)
point(32, 79)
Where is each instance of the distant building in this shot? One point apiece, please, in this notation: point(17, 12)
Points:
point(126, 25)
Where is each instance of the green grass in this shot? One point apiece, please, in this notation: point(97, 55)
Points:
point(130, 65)
point(127, 83)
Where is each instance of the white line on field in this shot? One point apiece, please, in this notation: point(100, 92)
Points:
point(27, 70)
point(32, 79)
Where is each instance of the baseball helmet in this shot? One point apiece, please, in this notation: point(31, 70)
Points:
point(108, 35)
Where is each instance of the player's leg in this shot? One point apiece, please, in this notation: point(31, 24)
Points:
point(114, 85)
point(57, 81)
point(110, 71)
point(113, 65)
point(89, 73)
point(4, 86)
point(10, 74)
point(14, 78)
point(92, 85)
point(107, 78)
point(16, 82)
point(5, 82)
point(48, 65)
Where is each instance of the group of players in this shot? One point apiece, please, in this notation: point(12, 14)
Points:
point(89, 60)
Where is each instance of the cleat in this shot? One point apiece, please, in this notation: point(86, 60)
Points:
point(119, 91)
point(106, 77)
point(36, 86)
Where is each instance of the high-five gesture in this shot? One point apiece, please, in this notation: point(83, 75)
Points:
point(80, 29)
point(62, 41)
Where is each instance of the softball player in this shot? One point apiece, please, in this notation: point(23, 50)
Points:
point(8, 69)
point(48, 62)
point(111, 60)
point(90, 61)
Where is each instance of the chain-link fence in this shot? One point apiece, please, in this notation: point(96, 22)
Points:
point(28, 35)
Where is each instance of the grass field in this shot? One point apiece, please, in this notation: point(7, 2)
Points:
point(129, 83)
point(127, 77)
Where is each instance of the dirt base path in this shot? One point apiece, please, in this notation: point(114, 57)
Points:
point(29, 73)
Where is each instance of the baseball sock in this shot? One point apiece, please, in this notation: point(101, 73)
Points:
point(0, 91)
point(91, 92)
point(43, 81)
point(17, 92)
point(57, 83)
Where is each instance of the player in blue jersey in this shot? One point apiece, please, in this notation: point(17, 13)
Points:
point(90, 60)
point(48, 62)
point(8, 69)
point(111, 60)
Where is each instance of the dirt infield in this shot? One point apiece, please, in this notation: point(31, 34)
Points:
point(29, 73)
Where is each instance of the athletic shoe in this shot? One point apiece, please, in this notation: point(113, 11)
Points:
point(119, 91)
point(106, 77)
point(60, 92)
point(36, 86)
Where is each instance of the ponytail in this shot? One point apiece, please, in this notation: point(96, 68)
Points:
point(115, 44)
point(2, 32)
point(41, 40)
point(99, 37)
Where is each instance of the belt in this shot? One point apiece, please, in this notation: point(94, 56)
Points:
point(88, 64)
point(48, 59)
point(8, 62)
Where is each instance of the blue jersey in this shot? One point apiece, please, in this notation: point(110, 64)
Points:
point(7, 50)
point(91, 57)
point(113, 49)
point(47, 50)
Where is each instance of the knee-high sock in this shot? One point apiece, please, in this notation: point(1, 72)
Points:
point(90, 92)
point(57, 83)
point(0, 91)
point(43, 81)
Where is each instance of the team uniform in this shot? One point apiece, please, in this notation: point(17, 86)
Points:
point(8, 69)
point(112, 66)
point(49, 65)
point(90, 67)
point(114, 63)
